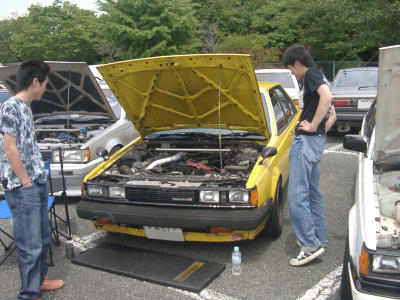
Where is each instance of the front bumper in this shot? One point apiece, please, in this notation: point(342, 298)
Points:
point(363, 291)
point(188, 219)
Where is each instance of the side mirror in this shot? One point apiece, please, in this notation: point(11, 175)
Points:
point(102, 152)
point(267, 152)
point(355, 142)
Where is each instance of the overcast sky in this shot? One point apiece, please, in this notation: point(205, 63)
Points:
point(7, 7)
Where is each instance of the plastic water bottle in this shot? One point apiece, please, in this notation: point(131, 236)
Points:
point(236, 261)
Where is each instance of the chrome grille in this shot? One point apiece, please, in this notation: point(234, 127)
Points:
point(46, 154)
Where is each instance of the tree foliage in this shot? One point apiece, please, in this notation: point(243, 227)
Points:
point(142, 28)
point(125, 29)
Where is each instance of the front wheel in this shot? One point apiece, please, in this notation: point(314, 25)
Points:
point(275, 223)
point(345, 288)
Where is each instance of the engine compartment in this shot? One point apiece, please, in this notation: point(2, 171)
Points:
point(187, 161)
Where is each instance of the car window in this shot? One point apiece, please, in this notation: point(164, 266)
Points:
point(284, 79)
point(358, 78)
point(279, 114)
point(369, 123)
point(287, 105)
point(266, 113)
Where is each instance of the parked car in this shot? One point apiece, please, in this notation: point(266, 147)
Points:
point(73, 118)
point(4, 94)
point(353, 90)
point(211, 157)
point(285, 78)
point(371, 264)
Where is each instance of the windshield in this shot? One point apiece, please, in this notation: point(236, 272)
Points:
point(285, 79)
point(203, 133)
point(112, 100)
point(358, 78)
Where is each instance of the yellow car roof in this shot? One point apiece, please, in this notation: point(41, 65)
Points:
point(188, 91)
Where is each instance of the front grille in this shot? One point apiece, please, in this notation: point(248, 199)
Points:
point(160, 195)
point(46, 154)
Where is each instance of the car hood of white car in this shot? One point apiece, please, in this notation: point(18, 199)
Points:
point(387, 131)
point(72, 89)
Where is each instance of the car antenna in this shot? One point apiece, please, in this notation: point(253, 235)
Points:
point(219, 118)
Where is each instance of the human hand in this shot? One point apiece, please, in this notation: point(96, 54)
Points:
point(307, 126)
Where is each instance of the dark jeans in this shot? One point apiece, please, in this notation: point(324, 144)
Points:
point(32, 235)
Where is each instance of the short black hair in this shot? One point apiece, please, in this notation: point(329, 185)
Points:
point(297, 52)
point(30, 69)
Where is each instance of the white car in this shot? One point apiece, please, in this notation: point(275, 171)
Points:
point(76, 115)
point(285, 78)
point(371, 264)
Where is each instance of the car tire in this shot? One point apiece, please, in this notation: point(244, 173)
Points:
point(345, 287)
point(275, 223)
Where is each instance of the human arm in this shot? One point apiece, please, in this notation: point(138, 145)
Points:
point(325, 99)
point(331, 120)
point(14, 158)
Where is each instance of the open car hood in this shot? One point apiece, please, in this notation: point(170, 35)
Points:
point(72, 89)
point(387, 135)
point(188, 91)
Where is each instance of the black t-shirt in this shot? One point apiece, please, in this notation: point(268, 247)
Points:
point(313, 79)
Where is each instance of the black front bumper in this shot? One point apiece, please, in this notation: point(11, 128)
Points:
point(194, 219)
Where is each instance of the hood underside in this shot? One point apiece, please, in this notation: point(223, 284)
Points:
point(188, 91)
point(387, 134)
point(72, 89)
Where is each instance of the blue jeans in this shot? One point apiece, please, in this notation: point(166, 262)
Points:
point(306, 203)
point(32, 235)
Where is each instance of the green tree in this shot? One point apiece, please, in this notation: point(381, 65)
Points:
point(61, 31)
point(142, 28)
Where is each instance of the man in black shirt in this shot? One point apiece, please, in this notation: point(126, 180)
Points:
point(305, 198)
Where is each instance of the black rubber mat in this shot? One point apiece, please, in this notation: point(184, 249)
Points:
point(171, 270)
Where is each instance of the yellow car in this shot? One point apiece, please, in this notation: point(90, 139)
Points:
point(211, 157)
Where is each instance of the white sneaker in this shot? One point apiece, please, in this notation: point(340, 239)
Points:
point(305, 257)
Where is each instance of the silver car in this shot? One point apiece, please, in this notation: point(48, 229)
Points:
point(353, 90)
point(75, 116)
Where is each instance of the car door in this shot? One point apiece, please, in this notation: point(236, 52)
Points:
point(286, 116)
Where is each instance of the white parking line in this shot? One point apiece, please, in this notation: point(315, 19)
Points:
point(206, 294)
point(325, 287)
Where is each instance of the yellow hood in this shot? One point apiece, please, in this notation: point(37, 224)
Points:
point(188, 91)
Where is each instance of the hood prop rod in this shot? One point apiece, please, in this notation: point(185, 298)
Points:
point(219, 118)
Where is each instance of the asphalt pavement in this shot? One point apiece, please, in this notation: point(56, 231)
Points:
point(266, 273)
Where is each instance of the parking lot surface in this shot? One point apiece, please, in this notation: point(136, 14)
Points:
point(266, 273)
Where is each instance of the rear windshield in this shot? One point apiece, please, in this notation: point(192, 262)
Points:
point(359, 78)
point(285, 79)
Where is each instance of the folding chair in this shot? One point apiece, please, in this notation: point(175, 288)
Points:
point(6, 239)
point(9, 247)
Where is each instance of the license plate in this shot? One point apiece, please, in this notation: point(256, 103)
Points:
point(164, 233)
point(364, 103)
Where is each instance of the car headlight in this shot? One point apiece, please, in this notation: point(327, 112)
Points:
point(239, 197)
point(209, 196)
point(386, 264)
point(96, 190)
point(116, 192)
point(71, 156)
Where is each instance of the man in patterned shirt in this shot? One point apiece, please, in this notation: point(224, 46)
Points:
point(24, 179)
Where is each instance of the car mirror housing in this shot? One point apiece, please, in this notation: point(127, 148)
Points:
point(267, 152)
point(102, 152)
point(355, 142)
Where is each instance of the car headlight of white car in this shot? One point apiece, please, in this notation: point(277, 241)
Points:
point(105, 191)
point(71, 156)
point(385, 264)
